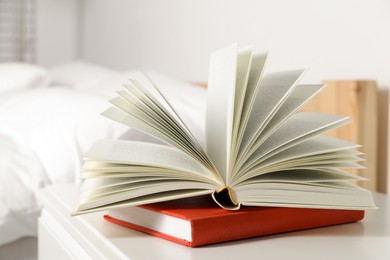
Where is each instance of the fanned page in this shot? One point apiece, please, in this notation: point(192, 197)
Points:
point(256, 71)
point(220, 107)
point(299, 96)
point(273, 91)
point(321, 153)
point(145, 154)
point(296, 129)
point(118, 170)
point(244, 61)
point(148, 110)
point(333, 195)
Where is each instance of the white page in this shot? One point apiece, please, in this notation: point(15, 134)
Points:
point(133, 190)
point(188, 100)
point(300, 95)
point(332, 157)
point(144, 83)
point(322, 165)
point(143, 124)
point(102, 166)
point(93, 198)
point(257, 68)
point(147, 154)
point(162, 173)
point(147, 199)
point(338, 195)
point(318, 161)
point(317, 145)
point(306, 175)
point(220, 102)
point(146, 106)
point(98, 183)
point(142, 108)
point(273, 91)
point(132, 171)
point(149, 111)
point(296, 129)
point(243, 68)
point(162, 106)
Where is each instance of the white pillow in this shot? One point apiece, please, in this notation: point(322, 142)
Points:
point(79, 74)
point(21, 75)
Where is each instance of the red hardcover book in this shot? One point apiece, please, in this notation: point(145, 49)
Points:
point(199, 221)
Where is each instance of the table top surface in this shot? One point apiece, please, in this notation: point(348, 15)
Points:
point(367, 239)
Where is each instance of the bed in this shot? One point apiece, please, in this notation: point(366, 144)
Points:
point(49, 118)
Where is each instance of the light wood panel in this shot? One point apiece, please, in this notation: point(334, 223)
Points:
point(356, 99)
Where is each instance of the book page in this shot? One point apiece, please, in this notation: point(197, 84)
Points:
point(319, 163)
point(147, 154)
point(83, 207)
point(298, 128)
point(139, 106)
point(133, 116)
point(112, 194)
point(331, 160)
point(305, 175)
point(187, 99)
point(295, 130)
point(257, 66)
point(273, 91)
point(299, 96)
point(220, 102)
point(243, 68)
point(335, 195)
point(149, 111)
point(108, 182)
point(123, 171)
point(151, 91)
point(317, 145)
point(141, 124)
point(163, 108)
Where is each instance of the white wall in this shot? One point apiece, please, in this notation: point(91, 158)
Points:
point(57, 31)
point(335, 39)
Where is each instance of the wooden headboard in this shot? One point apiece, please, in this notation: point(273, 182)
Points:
point(356, 99)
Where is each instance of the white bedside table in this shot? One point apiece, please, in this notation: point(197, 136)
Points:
point(91, 237)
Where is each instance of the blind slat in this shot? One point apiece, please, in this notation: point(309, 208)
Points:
point(17, 30)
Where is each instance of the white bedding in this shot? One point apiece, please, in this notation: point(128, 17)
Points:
point(14, 76)
point(46, 127)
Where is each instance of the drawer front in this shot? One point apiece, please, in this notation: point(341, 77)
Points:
point(54, 242)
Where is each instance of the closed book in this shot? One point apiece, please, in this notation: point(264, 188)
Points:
point(199, 221)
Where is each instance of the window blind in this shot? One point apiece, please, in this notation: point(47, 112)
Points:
point(17, 30)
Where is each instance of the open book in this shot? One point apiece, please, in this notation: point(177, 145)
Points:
point(258, 151)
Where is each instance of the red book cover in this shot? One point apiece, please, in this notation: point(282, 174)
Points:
point(207, 223)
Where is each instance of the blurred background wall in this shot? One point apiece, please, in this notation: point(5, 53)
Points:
point(336, 39)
